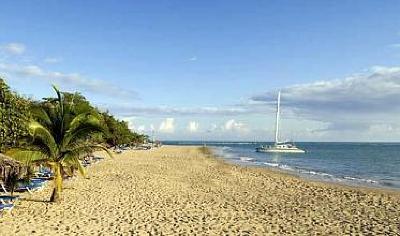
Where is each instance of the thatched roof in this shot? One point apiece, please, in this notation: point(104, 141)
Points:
point(9, 166)
point(8, 161)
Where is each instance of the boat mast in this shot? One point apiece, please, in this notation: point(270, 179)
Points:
point(277, 118)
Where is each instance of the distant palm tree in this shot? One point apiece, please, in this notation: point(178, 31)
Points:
point(59, 136)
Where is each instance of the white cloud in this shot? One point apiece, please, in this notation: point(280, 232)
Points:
point(131, 122)
point(167, 125)
point(375, 91)
point(352, 103)
point(375, 128)
point(141, 128)
point(383, 70)
point(131, 110)
point(52, 60)
point(193, 126)
point(13, 48)
point(72, 80)
point(193, 58)
point(31, 70)
point(233, 125)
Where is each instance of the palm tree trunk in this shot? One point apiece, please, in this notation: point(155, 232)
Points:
point(56, 195)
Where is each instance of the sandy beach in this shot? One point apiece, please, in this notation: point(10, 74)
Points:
point(181, 191)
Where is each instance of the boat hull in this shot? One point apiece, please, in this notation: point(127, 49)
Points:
point(275, 150)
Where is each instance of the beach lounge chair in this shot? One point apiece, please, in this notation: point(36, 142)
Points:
point(98, 158)
point(6, 201)
point(44, 173)
point(31, 186)
point(6, 207)
point(38, 181)
point(26, 188)
point(8, 198)
point(3, 188)
point(118, 151)
point(43, 176)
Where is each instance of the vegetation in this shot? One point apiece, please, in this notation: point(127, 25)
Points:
point(57, 132)
point(14, 116)
point(140, 138)
point(60, 135)
point(116, 131)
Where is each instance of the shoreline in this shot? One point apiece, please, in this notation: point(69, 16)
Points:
point(313, 180)
point(335, 179)
point(385, 190)
point(180, 190)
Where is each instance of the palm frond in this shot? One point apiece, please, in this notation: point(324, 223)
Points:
point(82, 127)
point(42, 136)
point(41, 115)
point(27, 156)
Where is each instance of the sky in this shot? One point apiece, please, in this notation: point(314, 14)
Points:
point(211, 70)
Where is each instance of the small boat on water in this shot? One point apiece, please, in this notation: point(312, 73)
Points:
point(278, 146)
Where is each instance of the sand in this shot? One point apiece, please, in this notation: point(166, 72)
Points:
point(180, 191)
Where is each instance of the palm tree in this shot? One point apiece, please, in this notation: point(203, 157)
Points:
point(59, 135)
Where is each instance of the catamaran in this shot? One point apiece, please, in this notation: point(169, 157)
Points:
point(279, 146)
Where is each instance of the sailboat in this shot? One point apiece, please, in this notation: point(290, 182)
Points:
point(278, 146)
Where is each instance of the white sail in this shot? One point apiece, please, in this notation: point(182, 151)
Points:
point(284, 147)
point(277, 118)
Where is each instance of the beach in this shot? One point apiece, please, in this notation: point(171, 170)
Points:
point(176, 190)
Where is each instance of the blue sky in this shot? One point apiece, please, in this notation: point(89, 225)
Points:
point(210, 69)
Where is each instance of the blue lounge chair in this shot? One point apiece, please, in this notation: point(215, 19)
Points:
point(38, 181)
point(8, 198)
point(31, 186)
point(44, 174)
point(6, 206)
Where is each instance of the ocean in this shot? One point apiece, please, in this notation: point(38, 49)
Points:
point(360, 164)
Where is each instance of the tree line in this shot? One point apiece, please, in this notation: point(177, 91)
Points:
point(16, 111)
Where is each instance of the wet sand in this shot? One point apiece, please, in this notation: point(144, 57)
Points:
point(180, 190)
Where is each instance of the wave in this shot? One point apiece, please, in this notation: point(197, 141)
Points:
point(316, 173)
point(246, 159)
point(280, 166)
point(360, 179)
point(241, 156)
point(322, 175)
point(338, 178)
point(271, 164)
point(285, 167)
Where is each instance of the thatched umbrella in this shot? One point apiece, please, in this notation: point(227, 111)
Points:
point(9, 167)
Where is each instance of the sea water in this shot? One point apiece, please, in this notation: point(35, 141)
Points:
point(365, 164)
